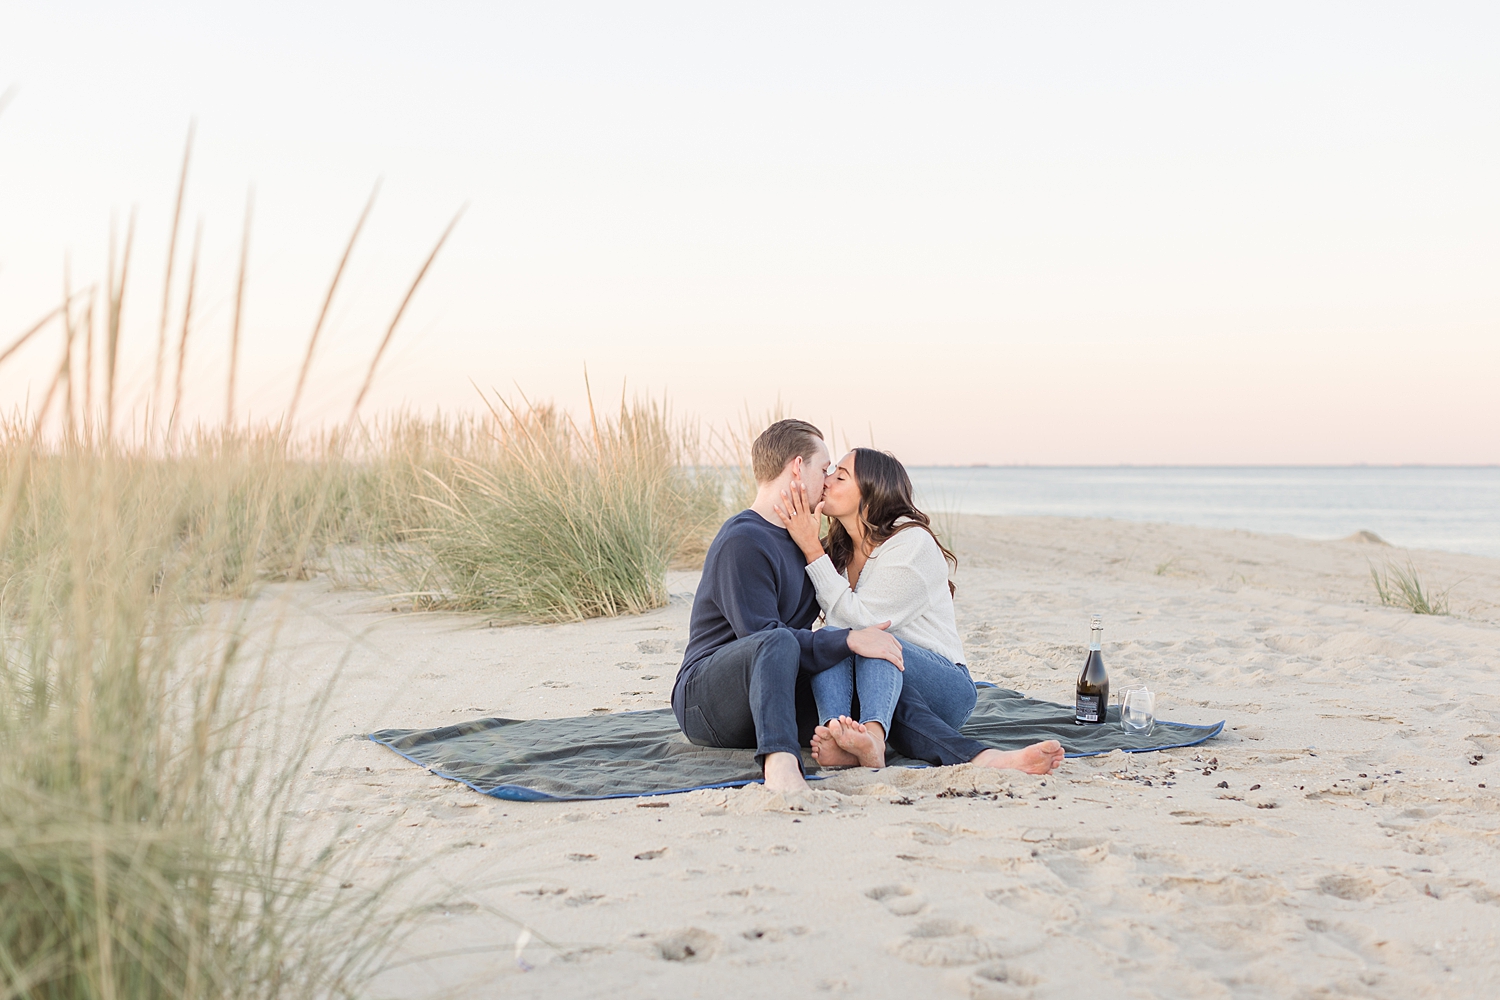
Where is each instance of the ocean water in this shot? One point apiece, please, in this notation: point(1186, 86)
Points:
point(1451, 508)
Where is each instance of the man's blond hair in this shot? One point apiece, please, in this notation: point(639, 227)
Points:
point(779, 444)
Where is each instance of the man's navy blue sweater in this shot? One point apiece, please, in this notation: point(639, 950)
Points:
point(755, 578)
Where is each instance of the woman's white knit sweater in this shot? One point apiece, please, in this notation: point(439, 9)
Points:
point(905, 581)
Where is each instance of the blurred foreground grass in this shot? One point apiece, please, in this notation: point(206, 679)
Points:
point(149, 776)
point(145, 848)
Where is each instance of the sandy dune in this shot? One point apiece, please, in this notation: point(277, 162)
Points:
point(1337, 841)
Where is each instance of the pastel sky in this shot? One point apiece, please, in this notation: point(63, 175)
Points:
point(1006, 233)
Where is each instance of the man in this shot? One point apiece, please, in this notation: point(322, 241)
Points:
point(750, 640)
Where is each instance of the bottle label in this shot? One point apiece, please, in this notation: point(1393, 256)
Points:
point(1088, 708)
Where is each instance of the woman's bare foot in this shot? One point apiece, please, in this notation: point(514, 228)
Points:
point(827, 752)
point(865, 740)
point(784, 773)
point(1039, 758)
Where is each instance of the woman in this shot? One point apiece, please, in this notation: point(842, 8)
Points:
point(881, 564)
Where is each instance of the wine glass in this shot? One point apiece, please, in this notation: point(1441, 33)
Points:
point(1138, 711)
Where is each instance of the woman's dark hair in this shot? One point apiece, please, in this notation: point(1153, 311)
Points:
point(885, 497)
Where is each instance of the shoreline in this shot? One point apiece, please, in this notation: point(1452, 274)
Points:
point(1439, 508)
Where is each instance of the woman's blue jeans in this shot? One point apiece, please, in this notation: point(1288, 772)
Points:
point(945, 687)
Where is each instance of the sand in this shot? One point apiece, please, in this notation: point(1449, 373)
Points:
point(1337, 840)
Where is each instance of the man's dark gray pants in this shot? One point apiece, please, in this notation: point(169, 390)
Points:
point(747, 694)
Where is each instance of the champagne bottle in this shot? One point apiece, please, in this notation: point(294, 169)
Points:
point(1093, 682)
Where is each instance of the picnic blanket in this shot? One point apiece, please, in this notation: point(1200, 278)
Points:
point(625, 754)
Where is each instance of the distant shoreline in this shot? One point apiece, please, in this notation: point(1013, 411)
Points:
point(1442, 508)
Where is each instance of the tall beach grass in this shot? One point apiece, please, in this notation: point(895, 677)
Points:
point(545, 519)
point(148, 774)
point(143, 831)
point(145, 849)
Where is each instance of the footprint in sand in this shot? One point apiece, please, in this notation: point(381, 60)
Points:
point(1035, 903)
point(1356, 938)
point(691, 944)
point(944, 942)
point(1229, 890)
point(1001, 981)
point(1350, 887)
point(899, 900)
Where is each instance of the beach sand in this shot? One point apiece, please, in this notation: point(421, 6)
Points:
point(1336, 841)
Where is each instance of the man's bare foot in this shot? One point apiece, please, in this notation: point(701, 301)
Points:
point(1039, 758)
point(827, 752)
point(865, 740)
point(784, 773)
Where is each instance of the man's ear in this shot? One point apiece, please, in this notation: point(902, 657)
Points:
point(796, 466)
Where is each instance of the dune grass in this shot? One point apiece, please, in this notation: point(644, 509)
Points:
point(547, 520)
point(149, 776)
point(145, 849)
point(1402, 587)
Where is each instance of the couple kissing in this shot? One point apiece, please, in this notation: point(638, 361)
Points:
point(887, 667)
